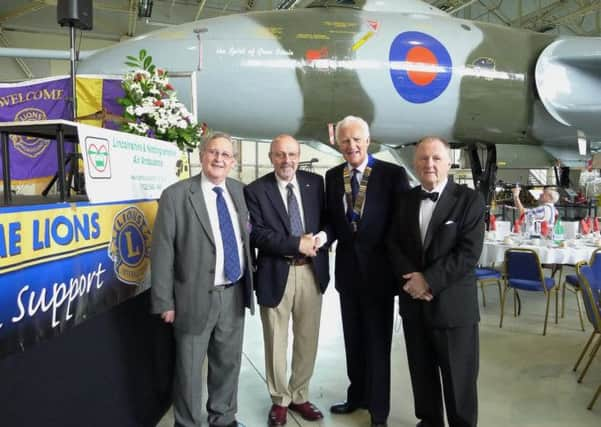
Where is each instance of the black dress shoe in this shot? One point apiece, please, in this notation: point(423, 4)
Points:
point(344, 408)
point(232, 424)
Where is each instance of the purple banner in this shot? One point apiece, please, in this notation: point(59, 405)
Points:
point(111, 91)
point(34, 158)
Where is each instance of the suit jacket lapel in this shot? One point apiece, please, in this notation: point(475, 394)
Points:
point(200, 208)
point(339, 188)
point(372, 182)
point(274, 195)
point(446, 201)
point(304, 187)
point(414, 207)
point(238, 200)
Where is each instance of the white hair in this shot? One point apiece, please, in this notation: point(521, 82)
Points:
point(554, 196)
point(349, 120)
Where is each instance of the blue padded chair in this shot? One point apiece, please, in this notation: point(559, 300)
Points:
point(488, 276)
point(590, 283)
point(572, 284)
point(523, 272)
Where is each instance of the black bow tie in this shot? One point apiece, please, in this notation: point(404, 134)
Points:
point(423, 195)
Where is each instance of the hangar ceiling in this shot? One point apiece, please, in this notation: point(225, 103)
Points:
point(32, 23)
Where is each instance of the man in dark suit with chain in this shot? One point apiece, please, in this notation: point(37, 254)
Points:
point(201, 283)
point(287, 216)
point(435, 242)
point(360, 194)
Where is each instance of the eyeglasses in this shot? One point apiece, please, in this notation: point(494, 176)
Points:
point(282, 154)
point(216, 153)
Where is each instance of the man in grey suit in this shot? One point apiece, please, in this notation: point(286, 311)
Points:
point(201, 283)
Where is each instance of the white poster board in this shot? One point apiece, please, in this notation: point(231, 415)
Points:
point(120, 166)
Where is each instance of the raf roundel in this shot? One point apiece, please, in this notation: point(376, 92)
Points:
point(420, 67)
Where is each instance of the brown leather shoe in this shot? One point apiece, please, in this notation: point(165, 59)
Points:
point(306, 410)
point(277, 416)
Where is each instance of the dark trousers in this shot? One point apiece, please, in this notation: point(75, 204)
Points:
point(367, 324)
point(448, 353)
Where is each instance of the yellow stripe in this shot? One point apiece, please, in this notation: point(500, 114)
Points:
point(89, 98)
point(362, 40)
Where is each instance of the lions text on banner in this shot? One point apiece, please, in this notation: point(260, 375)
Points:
point(60, 265)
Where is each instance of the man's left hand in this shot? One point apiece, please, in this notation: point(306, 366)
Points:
point(417, 287)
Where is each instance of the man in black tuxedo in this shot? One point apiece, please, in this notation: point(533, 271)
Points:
point(434, 244)
point(287, 213)
point(359, 196)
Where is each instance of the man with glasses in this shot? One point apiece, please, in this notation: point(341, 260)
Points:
point(287, 215)
point(201, 283)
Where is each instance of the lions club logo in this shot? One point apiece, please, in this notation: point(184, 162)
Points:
point(130, 245)
point(28, 146)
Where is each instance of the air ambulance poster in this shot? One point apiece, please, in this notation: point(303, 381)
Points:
point(123, 166)
point(63, 263)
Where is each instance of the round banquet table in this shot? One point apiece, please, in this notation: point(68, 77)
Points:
point(493, 252)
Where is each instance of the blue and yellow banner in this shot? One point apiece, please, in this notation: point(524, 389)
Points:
point(61, 264)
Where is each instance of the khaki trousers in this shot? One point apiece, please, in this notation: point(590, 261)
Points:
point(302, 302)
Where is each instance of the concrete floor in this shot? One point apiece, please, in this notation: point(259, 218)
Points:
point(525, 379)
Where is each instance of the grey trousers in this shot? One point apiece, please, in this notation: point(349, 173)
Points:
point(221, 343)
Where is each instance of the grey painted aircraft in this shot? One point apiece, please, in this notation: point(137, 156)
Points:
point(406, 67)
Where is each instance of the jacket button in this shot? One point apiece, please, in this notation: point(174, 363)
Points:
point(212, 270)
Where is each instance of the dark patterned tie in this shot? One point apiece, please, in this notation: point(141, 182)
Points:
point(231, 260)
point(354, 192)
point(296, 224)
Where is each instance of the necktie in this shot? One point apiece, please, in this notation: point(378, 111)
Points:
point(296, 224)
point(354, 192)
point(231, 260)
point(354, 185)
point(423, 195)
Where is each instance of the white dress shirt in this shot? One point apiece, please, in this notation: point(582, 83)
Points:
point(426, 208)
point(211, 202)
point(284, 193)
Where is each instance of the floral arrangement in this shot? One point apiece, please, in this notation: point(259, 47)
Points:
point(152, 108)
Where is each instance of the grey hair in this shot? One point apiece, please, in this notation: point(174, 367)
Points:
point(349, 120)
point(216, 135)
point(432, 138)
point(554, 196)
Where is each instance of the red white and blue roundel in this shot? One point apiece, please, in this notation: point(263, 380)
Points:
point(420, 66)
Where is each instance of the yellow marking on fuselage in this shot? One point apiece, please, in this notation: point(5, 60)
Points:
point(312, 36)
point(362, 40)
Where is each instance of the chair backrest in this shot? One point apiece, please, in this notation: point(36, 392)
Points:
point(590, 284)
point(595, 261)
point(523, 264)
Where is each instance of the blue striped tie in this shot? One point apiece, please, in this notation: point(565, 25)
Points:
point(231, 260)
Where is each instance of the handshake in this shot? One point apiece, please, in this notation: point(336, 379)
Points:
point(309, 245)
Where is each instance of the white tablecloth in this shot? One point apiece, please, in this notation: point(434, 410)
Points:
point(494, 253)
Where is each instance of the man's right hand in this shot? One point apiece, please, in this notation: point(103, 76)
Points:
point(168, 316)
point(307, 245)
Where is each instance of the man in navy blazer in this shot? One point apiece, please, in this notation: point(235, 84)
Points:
point(287, 217)
point(360, 194)
point(435, 243)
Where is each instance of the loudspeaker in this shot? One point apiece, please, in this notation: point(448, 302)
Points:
point(78, 13)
